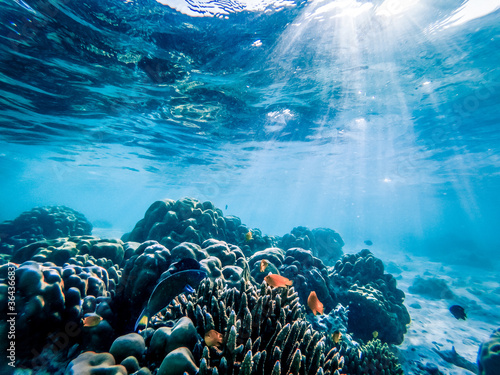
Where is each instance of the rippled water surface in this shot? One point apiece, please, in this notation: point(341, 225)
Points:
point(377, 119)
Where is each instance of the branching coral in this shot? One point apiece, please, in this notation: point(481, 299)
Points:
point(373, 358)
point(264, 331)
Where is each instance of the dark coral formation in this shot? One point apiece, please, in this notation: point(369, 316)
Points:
point(375, 303)
point(324, 243)
point(488, 357)
point(51, 300)
point(42, 223)
point(189, 220)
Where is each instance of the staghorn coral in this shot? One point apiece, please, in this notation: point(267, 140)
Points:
point(373, 358)
point(264, 331)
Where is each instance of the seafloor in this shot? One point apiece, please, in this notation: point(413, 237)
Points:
point(71, 302)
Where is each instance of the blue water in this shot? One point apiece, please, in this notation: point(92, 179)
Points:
point(377, 119)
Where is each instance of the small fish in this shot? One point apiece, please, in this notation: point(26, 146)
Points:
point(375, 334)
point(458, 312)
point(213, 338)
point(336, 336)
point(226, 206)
point(263, 265)
point(248, 236)
point(277, 281)
point(92, 320)
point(314, 303)
point(368, 242)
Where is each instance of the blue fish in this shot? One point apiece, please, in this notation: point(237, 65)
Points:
point(166, 290)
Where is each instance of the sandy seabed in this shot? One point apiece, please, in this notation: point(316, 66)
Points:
point(433, 328)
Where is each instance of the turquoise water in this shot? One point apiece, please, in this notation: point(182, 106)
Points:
point(377, 119)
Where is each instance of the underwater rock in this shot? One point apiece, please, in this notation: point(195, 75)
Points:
point(178, 362)
point(375, 303)
point(89, 363)
point(131, 364)
point(488, 358)
point(124, 346)
point(189, 220)
point(432, 287)
point(167, 339)
point(42, 223)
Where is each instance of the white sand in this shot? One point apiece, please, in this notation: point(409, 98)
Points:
point(433, 327)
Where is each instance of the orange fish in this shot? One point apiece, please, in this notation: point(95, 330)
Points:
point(336, 336)
point(213, 338)
point(263, 265)
point(277, 280)
point(314, 304)
point(92, 320)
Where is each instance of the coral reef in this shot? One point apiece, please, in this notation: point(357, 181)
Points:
point(264, 331)
point(51, 300)
point(373, 358)
point(324, 243)
point(189, 220)
point(79, 296)
point(42, 223)
point(488, 357)
point(375, 303)
point(60, 250)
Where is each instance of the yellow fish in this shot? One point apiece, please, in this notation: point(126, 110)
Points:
point(92, 320)
point(263, 265)
point(277, 281)
point(375, 334)
point(336, 336)
point(213, 338)
point(248, 236)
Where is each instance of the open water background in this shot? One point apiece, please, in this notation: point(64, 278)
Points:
point(377, 119)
